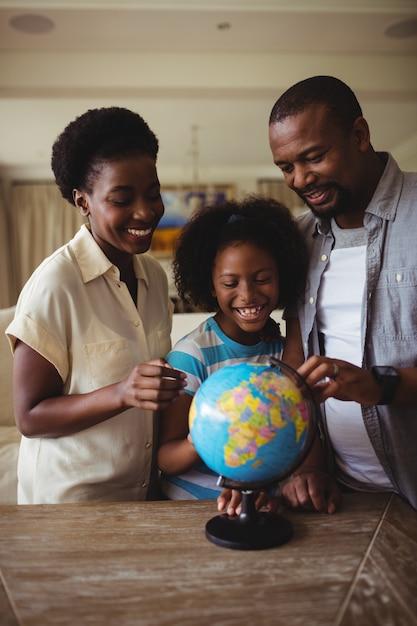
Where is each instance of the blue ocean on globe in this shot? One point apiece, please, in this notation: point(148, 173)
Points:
point(250, 422)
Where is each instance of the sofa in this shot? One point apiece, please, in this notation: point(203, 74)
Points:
point(9, 435)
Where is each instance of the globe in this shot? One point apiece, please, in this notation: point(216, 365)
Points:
point(253, 424)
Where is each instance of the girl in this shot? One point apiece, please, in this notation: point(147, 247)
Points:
point(92, 324)
point(241, 260)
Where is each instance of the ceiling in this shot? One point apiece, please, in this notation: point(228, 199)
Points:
point(204, 75)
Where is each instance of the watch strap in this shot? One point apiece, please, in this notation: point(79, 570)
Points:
point(389, 384)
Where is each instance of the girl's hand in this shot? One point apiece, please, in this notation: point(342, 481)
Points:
point(230, 501)
point(151, 385)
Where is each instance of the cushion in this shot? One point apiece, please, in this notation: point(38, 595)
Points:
point(6, 370)
point(9, 450)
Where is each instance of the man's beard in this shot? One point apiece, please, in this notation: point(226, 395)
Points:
point(340, 207)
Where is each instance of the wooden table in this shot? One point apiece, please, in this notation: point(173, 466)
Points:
point(151, 564)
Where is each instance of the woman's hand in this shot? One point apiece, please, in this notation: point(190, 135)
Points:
point(151, 385)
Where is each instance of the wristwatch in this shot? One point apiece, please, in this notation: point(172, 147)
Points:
point(389, 377)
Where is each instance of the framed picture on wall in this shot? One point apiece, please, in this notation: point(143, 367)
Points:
point(279, 190)
point(180, 203)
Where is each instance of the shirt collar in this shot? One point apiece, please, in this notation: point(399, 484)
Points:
point(94, 263)
point(385, 200)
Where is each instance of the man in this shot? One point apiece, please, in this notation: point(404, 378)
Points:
point(359, 314)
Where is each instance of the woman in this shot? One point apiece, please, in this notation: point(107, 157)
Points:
point(93, 323)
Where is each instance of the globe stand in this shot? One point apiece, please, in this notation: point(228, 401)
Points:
point(251, 530)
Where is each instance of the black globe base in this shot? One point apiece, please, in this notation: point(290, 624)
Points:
point(251, 530)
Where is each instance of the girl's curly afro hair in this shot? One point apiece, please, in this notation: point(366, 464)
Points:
point(97, 136)
point(264, 222)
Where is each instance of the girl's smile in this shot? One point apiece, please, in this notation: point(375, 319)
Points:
point(246, 285)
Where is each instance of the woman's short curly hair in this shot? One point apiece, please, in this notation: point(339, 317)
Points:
point(97, 136)
point(264, 222)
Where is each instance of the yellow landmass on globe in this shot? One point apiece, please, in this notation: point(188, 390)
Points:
point(254, 421)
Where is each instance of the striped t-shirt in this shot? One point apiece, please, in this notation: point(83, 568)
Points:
point(200, 353)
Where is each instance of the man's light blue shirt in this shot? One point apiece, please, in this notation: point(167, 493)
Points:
point(389, 311)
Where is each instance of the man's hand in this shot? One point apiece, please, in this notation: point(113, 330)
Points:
point(338, 379)
point(312, 490)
